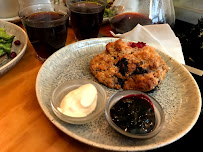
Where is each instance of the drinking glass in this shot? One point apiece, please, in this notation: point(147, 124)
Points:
point(86, 17)
point(128, 13)
point(46, 26)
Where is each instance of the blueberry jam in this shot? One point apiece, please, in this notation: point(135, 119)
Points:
point(123, 66)
point(134, 114)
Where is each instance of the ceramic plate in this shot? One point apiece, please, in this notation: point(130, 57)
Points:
point(14, 19)
point(19, 34)
point(179, 96)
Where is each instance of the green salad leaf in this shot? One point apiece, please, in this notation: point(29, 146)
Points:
point(5, 42)
point(108, 12)
point(2, 52)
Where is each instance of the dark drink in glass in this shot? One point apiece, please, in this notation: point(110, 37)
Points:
point(47, 30)
point(47, 39)
point(127, 21)
point(86, 18)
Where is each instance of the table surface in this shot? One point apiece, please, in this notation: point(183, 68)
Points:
point(24, 126)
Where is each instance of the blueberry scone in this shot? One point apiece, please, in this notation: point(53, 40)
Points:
point(131, 66)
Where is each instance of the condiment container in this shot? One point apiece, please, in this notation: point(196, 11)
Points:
point(63, 89)
point(158, 112)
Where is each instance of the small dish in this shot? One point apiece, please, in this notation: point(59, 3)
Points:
point(63, 89)
point(158, 112)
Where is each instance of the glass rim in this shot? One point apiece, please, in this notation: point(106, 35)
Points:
point(66, 12)
point(103, 4)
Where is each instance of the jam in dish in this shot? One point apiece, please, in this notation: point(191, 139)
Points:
point(134, 114)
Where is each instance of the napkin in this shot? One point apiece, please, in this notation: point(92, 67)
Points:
point(160, 36)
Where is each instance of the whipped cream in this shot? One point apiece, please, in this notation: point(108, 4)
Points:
point(79, 102)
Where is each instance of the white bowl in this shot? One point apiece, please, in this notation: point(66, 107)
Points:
point(158, 111)
point(63, 89)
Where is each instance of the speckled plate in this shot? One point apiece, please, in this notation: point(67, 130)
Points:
point(179, 96)
point(19, 34)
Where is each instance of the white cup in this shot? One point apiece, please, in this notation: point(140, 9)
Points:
point(8, 8)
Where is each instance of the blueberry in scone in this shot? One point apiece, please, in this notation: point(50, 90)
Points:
point(131, 66)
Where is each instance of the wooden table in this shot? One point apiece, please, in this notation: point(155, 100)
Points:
point(23, 125)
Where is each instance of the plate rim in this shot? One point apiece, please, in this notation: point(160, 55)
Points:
point(12, 63)
point(116, 148)
point(13, 19)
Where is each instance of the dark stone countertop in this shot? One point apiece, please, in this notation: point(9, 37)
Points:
point(191, 38)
